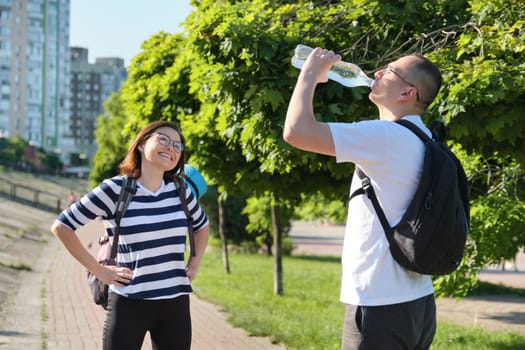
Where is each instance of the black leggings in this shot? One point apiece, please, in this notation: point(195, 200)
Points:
point(128, 320)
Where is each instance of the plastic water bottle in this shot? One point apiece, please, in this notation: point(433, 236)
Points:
point(345, 73)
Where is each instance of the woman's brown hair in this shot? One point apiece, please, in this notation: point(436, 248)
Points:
point(132, 162)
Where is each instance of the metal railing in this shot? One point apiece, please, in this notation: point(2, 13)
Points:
point(31, 196)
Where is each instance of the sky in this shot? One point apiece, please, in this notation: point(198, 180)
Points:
point(117, 28)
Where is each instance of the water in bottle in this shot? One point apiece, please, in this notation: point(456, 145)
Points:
point(345, 73)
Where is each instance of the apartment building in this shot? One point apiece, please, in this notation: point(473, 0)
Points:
point(34, 70)
point(50, 94)
point(91, 85)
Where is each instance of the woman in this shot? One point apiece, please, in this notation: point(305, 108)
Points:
point(150, 286)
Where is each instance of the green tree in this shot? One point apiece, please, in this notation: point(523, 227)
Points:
point(484, 96)
point(157, 84)
point(227, 80)
point(483, 103)
point(242, 76)
point(50, 161)
point(12, 150)
point(112, 143)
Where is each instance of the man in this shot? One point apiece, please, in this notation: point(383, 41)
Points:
point(387, 306)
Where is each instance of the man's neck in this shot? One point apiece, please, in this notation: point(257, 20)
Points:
point(394, 114)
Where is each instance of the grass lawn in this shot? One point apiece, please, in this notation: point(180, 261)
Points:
point(309, 315)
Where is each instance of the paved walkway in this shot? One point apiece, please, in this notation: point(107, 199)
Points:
point(53, 306)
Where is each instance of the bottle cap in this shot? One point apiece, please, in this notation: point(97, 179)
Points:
point(195, 181)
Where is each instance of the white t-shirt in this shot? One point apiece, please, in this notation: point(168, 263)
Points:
point(392, 156)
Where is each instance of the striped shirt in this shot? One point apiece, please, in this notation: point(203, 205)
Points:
point(152, 235)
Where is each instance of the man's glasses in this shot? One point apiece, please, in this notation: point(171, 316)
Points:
point(389, 69)
point(164, 140)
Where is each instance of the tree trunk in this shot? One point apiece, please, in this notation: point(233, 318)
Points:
point(523, 152)
point(277, 242)
point(222, 235)
point(268, 241)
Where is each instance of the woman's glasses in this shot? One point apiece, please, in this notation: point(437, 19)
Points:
point(164, 140)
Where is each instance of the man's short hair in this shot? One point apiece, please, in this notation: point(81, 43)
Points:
point(430, 79)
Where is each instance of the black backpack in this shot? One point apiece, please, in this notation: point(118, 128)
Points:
point(430, 238)
point(107, 253)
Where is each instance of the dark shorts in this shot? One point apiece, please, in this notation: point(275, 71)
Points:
point(128, 320)
point(407, 326)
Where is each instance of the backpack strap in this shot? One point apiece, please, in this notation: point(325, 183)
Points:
point(181, 189)
point(128, 189)
point(366, 188)
point(366, 183)
point(439, 130)
point(415, 129)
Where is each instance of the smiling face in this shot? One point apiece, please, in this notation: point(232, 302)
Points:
point(158, 150)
